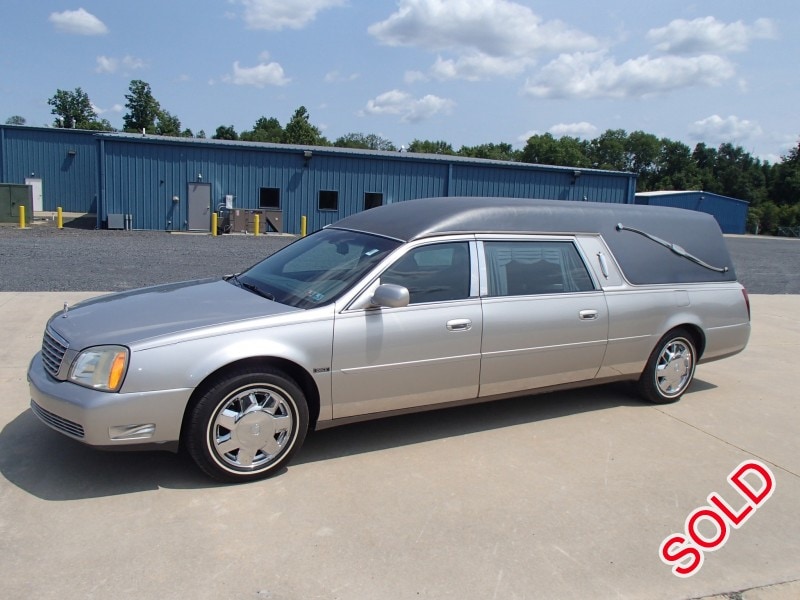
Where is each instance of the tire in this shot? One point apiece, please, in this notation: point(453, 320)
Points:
point(670, 368)
point(247, 426)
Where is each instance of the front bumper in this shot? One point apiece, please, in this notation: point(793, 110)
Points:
point(96, 418)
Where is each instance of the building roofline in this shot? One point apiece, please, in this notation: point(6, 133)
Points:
point(351, 152)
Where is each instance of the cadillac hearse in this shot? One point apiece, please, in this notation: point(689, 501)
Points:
point(415, 305)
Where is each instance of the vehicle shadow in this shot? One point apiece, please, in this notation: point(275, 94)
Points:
point(52, 467)
point(415, 428)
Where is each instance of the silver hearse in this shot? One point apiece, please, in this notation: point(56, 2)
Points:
point(411, 306)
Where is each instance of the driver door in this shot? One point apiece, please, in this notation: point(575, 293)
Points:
point(425, 353)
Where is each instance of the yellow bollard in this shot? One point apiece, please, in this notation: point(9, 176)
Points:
point(256, 223)
point(214, 224)
point(303, 226)
point(22, 216)
point(60, 218)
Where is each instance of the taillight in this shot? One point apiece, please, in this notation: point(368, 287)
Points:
point(747, 302)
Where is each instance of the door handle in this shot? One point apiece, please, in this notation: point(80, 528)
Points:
point(587, 315)
point(459, 325)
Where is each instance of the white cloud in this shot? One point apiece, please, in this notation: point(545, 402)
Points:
point(410, 109)
point(107, 64)
point(116, 108)
point(580, 130)
point(593, 75)
point(716, 129)
point(414, 76)
point(707, 35)
point(259, 76)
point(528, 135)
point(337, 77)
point(274, 15)
point(79, 22)
point(487, 37)
point(493, 27)
point(477, 66)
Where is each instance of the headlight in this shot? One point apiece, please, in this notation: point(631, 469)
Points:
point(100, 368)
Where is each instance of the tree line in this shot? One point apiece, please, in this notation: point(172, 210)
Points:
point(773, 190)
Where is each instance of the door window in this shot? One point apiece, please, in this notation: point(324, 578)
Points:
point(540, 267)
point(434, 273)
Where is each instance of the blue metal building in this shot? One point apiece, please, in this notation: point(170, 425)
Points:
point(730, 213)
point(61, 163)
point(164, 183)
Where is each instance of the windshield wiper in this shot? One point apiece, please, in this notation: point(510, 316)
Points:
point(674, 247)
point(250, 287)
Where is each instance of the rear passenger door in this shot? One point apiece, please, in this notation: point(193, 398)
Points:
point(545, 321)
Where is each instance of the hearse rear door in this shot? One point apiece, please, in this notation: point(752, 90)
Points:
point(545, 321)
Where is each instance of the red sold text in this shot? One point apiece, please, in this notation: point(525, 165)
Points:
point(754, 484)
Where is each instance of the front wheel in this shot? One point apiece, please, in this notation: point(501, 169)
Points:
point(247, 426)
point(670, 368)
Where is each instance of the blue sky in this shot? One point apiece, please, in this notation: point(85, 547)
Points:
point(464, 71)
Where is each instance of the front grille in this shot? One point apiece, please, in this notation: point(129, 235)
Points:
point(61, 424)
point(53, 349)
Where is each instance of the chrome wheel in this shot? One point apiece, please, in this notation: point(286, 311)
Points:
point(670, 368)
point(247, 425)
point(252, 427)
point(675, 367)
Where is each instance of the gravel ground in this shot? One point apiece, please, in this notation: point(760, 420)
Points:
point(43, 258)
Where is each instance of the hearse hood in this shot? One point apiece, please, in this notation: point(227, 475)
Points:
point(137, 315)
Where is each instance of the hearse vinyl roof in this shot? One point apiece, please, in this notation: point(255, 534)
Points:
point(643, 260)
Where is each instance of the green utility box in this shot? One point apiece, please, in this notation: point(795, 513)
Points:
point(12, 196)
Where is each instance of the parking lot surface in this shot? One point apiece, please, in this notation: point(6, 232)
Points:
point(564, 495)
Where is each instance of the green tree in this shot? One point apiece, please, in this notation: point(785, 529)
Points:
point(143, 108)
point(706, 159)
point(785, 185)
point(430, 147)
point(168, 124)
point(642, 153)
point(264, 130)
point(99, 125)
point(676, 168)
point(544, 149)
point(501, 151)
point(299, 130)
point(16, 120)
point(225, 133)
point(365, 142)
point(73, 110)
point(609, 150)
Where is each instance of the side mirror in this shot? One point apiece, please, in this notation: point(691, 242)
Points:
point(390, 295)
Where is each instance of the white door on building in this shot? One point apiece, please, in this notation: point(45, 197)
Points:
point(36, 192)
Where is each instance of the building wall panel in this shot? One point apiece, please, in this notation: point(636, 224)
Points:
point(730, 213)
point(65, 161)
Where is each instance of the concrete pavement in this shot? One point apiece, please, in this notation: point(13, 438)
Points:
point(565, 495)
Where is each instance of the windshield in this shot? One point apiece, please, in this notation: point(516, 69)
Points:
point(316, 270)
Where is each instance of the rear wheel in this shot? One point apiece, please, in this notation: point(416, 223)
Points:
point(670, 368)
point(247, 426)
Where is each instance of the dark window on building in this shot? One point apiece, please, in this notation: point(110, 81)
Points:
point(526, 268)
point(372, 200)
point(269, 198)
point(328, 200)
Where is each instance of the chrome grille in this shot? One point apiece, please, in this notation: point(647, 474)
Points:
point(61, 424)
point(53, 349)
